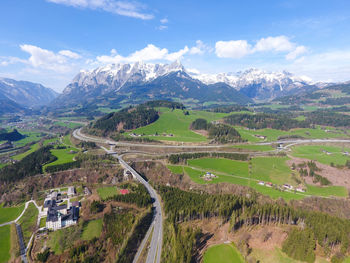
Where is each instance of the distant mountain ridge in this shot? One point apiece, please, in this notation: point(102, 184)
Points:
point(138, 82)
point(25, 93)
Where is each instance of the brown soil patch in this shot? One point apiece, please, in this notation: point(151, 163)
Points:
point(201, 132)
point(336, 176)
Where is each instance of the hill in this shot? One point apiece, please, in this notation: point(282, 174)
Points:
point(25, 93)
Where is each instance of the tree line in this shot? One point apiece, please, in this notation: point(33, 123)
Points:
point(329, 231)
point(183, 157)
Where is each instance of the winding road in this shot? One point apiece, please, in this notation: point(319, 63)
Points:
point(155, 249)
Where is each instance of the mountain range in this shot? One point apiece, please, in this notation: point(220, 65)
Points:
point(118, 84)
point(19, 96)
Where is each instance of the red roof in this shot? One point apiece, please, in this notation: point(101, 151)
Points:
point(124, 191)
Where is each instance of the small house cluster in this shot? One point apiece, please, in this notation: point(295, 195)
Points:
point(61, 215)
point(209, 176)
point(285, 186)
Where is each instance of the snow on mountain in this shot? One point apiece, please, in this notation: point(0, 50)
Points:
point(252, 76)
point(116, 75)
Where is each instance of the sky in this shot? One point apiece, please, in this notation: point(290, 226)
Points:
point(50, 41)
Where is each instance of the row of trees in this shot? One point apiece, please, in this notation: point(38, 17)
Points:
point(30, 165)
point(329, 231)
point(183, 157)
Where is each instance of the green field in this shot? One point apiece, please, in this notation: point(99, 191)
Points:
point(42, 222)
point(5, 243)
point(177, 123)
point(322, 154)
point(222, 165)
point(32, 149)
point(272, 169)
point(176, 169)
point(272, 134)
point(224, 253)
point(92, 229)
point(28, 222)
point(31, 137)
point(108, 191)
point(257, 148)
point(267, 169)
point(63, 156)
point(70, 125)
point(8, 214)
point(66, 141)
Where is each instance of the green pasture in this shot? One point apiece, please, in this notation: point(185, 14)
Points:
point(30, 137)
point(322, 154)
point(108, 191)
point(177, 123)
point(70, 125)
point(8, 214)
point(28, 222)
point(63, 156)
point(5, 243)
point(32, 149)
point(223, 253)
point(255, 147)
point(176, 169)
point(222, 165)
point(92, 229)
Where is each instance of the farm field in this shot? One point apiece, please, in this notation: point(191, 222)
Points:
point(31, 137)
point(273, 134)
point(258, 148)
point(177, 123)
point(267, 169)
point(70, 125)
point(108, 191)
point(5, 243)
point(92, 229)
point(322, 154)
point(32, 149)
point(8, 214)
point(224, 253)
point(222, 165)
point(176, 169)
point(272, 169)
point(63, 156)
point(28, 221)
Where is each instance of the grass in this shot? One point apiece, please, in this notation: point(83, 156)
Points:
point(176, 169)
point(28, 222)
point(8, 214)
point(2, 165)
point(31, 137)
point(273, 134)
point(42, 222)
point(315, 152)
point(5, 243)
point(32, 149)
point(70, 125)
point(177, 123)
point(223, 253)
point(227, 166)
point(66, 141)
point(108, 191)
point(92, 229)
point(252, 147)
point(63, 156)
point(272, 169)
point(268, 169)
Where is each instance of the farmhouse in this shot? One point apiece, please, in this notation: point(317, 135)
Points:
point(261, 183)
point(209, 176)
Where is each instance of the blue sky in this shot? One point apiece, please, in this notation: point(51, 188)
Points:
point(49, 41)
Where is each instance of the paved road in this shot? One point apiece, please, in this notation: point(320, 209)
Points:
point(155, 249)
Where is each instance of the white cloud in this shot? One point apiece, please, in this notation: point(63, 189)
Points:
point(162, 27)
point(6, 61)
point(241, 48)
point(149, 53)
point(232, 49)
point(199, 49)
point(46, 59)
point(123, 8)
point(296, 52)
point(69, 54)
point(279, 43)
point(164, 21)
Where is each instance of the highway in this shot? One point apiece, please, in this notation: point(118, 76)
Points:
point(155, 249)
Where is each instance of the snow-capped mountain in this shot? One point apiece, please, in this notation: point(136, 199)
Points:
point(114, 76)
point(131, 83)
point(258, 84)
point(26, 93)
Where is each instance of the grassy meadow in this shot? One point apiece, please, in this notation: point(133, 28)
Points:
point(223, 253)
point(8, 214)
point(92, 229)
